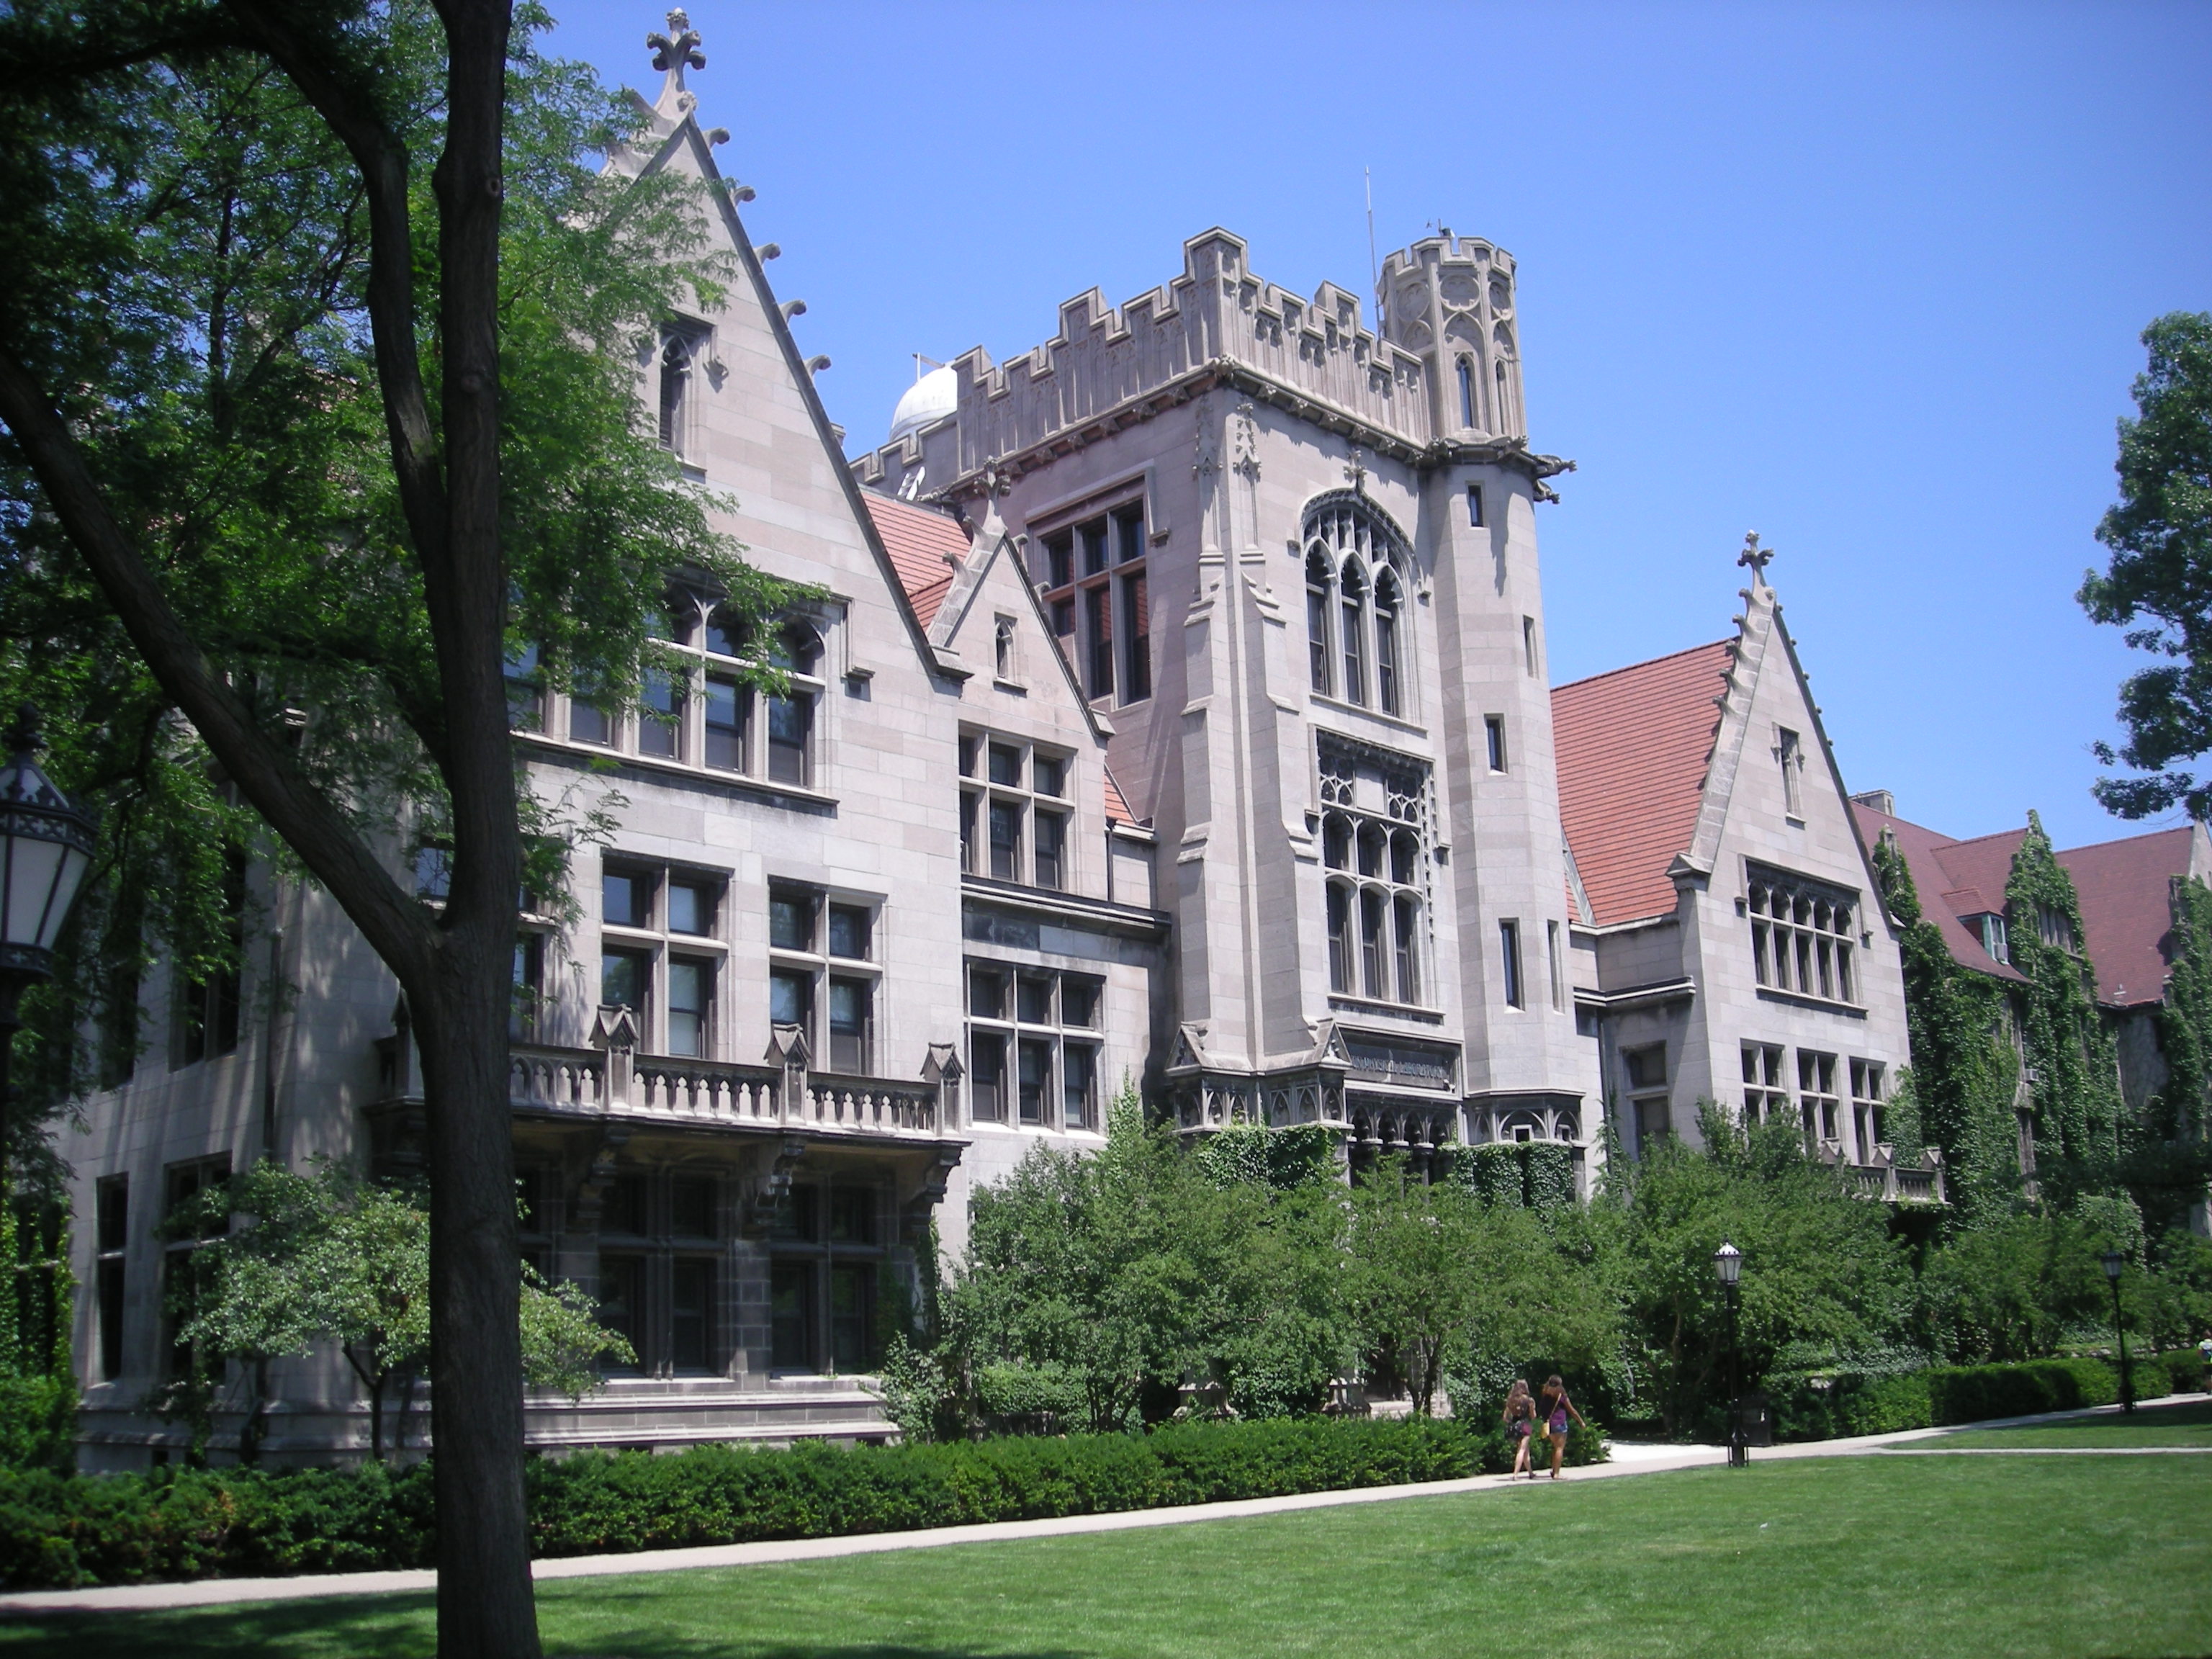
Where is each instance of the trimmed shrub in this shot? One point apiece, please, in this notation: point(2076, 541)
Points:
point(67, 1530)
point(2185, 1370)
point(1970, 1394)
point(58, 1530)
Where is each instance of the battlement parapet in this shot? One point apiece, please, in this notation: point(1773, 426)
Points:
point(1107, 364)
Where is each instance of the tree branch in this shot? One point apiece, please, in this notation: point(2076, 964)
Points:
point(350, 112)
point(395, 925)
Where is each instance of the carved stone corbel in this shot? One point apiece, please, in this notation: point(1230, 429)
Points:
point(914, 1218)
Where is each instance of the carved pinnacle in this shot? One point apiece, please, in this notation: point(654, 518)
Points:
point(679, 46)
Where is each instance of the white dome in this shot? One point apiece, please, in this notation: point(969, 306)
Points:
point(927, 401)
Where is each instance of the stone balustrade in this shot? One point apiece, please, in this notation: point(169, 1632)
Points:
point(716, 1092)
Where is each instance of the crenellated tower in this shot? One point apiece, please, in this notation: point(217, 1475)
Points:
point(1448, 299)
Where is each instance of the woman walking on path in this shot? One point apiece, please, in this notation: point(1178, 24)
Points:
point(1557, 1408)
point(1520, 1421)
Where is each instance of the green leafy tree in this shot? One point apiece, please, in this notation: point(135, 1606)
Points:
point(1964, 1073)
point(1819, 1265)
point(322, 1258)
point(315, 369)
point(2158, 584)
point(2015, 1288)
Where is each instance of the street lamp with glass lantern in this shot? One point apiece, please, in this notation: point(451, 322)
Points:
point(46, 846)
point(1728, 1262)
point(2113, 1262)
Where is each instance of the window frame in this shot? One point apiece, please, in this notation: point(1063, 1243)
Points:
point(1014, 1029)
point(1376, 868)
point(822, 970)
point(1354, 557)
point(1765, 1080)
point(1090, 569)
point(987, 799)
point(661, 947)
point(1800, 954)
point(110, 1272)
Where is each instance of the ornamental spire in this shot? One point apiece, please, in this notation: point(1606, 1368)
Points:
point(673, 53)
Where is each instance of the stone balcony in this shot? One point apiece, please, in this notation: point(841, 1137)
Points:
point(608, 1079)
point(1883, 1176)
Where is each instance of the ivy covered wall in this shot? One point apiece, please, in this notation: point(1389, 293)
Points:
point(1959, 1096)
point(2074, 1080)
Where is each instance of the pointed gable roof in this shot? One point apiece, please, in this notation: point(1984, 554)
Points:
point(925, 547)
point(1633, 747)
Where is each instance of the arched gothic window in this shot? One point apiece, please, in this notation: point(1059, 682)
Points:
point(1352, 632)
point(1386, 641)
point(1358, 569)
point(1466, 391)
point(1318, 583)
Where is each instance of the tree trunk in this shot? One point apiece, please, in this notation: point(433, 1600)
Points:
point(484, 1600)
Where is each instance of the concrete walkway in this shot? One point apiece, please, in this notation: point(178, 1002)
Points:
point(1630, 1458)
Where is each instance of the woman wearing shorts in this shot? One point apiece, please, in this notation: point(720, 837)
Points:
point(1555, 1409)
point(1520, 1421)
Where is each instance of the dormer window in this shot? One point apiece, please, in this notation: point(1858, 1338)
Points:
point(1991, 928)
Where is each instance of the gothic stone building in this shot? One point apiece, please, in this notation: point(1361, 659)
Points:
point(1731, 945)
point(1176, 714)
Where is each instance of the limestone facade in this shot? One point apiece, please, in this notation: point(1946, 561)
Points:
point(1177, 713)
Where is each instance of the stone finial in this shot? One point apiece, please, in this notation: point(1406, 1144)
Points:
point(679, 48)
point(1754, 556)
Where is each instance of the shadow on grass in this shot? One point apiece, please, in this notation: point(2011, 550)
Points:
point(395, 1627)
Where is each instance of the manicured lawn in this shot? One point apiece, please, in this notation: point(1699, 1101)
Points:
point(1940, 1556)
point(2188, 1423)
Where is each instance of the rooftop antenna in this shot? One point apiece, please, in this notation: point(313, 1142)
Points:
point(919, 358)
point(1374, 270)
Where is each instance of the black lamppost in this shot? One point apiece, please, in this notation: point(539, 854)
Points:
point(1728, 1262)
point(2113, 1262)
point(45, 846)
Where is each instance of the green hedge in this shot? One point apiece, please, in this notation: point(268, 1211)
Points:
point(1972, 1394)
point(2185, 1372)
point(1846, 1403)
point(65, 1531)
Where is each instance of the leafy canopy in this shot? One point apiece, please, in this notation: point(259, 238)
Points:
point(2158, 584)
point(184, 265)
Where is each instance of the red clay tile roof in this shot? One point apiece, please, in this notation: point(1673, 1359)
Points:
point(1948, 891)
point(1633, 747)
point(1117, 810)
point(921, 542)
point(2122, 885)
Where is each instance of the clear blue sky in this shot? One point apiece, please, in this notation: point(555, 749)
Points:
point(1868, 279)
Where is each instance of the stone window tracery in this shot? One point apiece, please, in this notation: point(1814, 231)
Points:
point(1374, 853)
point(1801, 937)
point(1358, 574)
